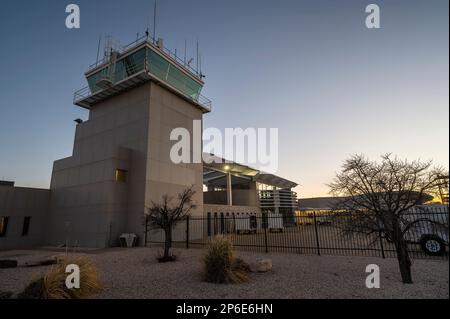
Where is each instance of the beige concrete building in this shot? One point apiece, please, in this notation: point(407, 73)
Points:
point(121, 158)
point(23, 213)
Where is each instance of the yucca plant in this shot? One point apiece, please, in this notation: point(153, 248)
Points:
point(220, 264)
point(53, 284)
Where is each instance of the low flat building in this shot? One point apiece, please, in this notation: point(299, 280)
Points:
point(326, 204)
point(317, 203)
point(23, 214)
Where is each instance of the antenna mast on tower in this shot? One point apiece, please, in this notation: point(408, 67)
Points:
point(154, 22)
point(98, 49)
point(197, 58)
point(185, 51)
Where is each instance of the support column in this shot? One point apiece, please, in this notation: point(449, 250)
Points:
point(229, 191)
point(276, 200)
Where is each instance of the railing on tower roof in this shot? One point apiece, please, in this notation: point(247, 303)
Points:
point(149, 39)
point(125, 78)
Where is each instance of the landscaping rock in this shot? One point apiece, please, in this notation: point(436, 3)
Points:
point(8, 264)
point(241, 265)
point(264, 265)
point(45, 262)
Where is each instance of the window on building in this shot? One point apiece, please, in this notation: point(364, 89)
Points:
point(3, 225)
point(26, 226)
point(121, 175)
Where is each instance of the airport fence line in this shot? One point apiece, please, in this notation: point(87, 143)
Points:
point(313, 232)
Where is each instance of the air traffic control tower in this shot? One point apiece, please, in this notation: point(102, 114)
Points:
point(121, 160)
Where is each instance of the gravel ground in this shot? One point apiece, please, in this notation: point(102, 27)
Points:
point(135, 273)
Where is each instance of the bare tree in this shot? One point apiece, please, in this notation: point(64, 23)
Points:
point(165, 216)
point(377, 196)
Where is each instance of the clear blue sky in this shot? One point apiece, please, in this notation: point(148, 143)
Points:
point(310, 68)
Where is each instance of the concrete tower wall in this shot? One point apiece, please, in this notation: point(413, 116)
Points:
point(167, 112)
point(88, 206)
point(130, 131)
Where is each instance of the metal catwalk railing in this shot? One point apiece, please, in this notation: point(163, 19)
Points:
point(127, 73)
point(150, 40)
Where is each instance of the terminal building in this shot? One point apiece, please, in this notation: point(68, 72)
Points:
point(136, 96)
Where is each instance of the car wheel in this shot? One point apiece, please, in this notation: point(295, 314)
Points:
point(432, 245)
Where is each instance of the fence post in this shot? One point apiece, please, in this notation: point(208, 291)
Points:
point(216, 225)
point(380, 235)
point(317, 234)
point(234, 224)
point(146, 231)
point(187, 232)
point(265, 236)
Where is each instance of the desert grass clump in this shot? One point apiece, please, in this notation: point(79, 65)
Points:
point(221, 266)
point(53, 284)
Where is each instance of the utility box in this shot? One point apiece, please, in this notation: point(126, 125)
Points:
point(128, 240)
point(245, 224)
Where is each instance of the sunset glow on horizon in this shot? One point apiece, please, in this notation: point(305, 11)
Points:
point(312, 69)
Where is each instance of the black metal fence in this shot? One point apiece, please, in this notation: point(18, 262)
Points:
point(314, 232)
